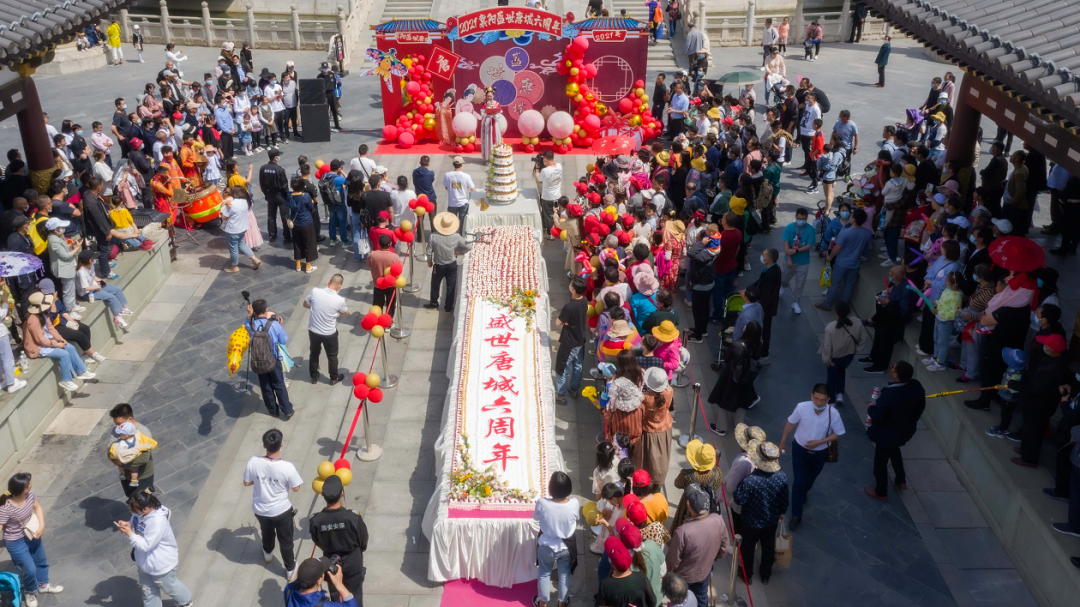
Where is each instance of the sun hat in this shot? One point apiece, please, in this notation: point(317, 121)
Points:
point(697, 499)
point(714, 113)
point(56, 222)
point(47, 286)
point(909, 172)
point(702, 456)
point(619, 329)
point(764, 455)
point(656, 379)
point(624, 396)
point(1004, 225)
point(37, 301)
point(1014, 357)
point(636, 513)
point(648, 194)
point(380, 170)
point(943, 95)
point(590, 513)
point(447, 223)
point(938, 116)
point(666, 332)
point(644, 281)
point(745, 434)
point(641, 478)
point(1053, 341)
point(950, 186)
point(663, 157)
point(617, 553)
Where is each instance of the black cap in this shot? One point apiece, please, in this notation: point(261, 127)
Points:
point(311, 571)
point(332, 488)
point(87, 255)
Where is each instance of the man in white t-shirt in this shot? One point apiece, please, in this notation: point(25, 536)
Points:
point(815, 423)
point(276, 96)
point(549, 181)
point(325, 305)
point(273, 478)
point(362, 163)
point(459, 188)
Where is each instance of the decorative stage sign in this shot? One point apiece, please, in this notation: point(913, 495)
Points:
point(413, 37)
point(443, 63)
point(509, 19)
point(609, 35)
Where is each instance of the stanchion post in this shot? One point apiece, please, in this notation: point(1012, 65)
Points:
point(411, 287)
point(689, 436)
point(421, 254)
point(732, 597)
point(400, 331)
point(370, 451)
point(388, 380)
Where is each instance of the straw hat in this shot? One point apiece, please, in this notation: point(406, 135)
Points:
point(624, 396)
point(620, 329)
point(744, 435)
point(37, 303)
point(666, 332)
point(702, 456)
point(909, 172)
point(764, 455)
point(446, 223)
point(663, 158)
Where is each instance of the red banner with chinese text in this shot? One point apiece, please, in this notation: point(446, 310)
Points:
point(506, 18)
point(443, 63)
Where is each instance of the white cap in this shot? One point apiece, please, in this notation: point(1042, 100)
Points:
point(136, 26)
point(56, 222)
point(1004, 225)
point(289, 64)
point(380, 169)
point(960, 221)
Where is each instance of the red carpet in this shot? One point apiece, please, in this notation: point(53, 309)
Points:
point(432, 148)
point(471, 593)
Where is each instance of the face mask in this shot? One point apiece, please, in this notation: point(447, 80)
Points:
point(1048, 351)
point(845, 214)
point(209, 82)
point(820, 409)
point(79, 133)
point(273, 82)
point(1039, 282)
point(762, 258)
point(324, 70)
point(123, 107)
point(800, 222)
point(971, 237)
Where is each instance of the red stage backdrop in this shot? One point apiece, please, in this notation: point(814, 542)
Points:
point(620, 50)
point(409, 37)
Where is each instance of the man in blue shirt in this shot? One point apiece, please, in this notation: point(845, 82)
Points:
point(798, 240)
point(223, 116)
point(848, 132)
point(845, 257)
point(424, 182)
point(272, 383)
point(680, 104)
point(307, 590)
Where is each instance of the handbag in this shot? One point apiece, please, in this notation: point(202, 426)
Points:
point(363, 243)
point(832, 453)
point(31, 526)
point(826, 276)
point(784, 546)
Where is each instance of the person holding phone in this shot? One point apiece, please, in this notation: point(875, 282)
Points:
point(154, 549)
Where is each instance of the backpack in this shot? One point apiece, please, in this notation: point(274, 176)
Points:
point(261, 350)
point(331, 194)
point(764, 197)
point(10, 589)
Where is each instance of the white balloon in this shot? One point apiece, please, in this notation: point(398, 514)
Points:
point(502, 124)
point(560, 125)
point(531, 123)
point(464, 125)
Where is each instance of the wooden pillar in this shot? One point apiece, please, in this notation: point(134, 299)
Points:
point(963, 137)
point(37, 147)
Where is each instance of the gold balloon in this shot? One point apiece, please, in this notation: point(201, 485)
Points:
point(644, 98)
point(428, 99)
point(325, 469)
point(599, 305)
point(590, 312)
point(316, 485)
point(577, 99)
point(372, 380)
point(319, 163)
point(429, 124)
point(577, 128)
point(601, 109)
point(406, 226)
point(407, 62)
point(589, 97)
point(563, 235)
point(639, 92)
point(574, 71)
point(345, 475)
point(611, 210)
point(377, 331)
point(635, 121)
point(376, 310)
point(420, 211)
point(589, 168)
point(595, 261)
point(400, 282)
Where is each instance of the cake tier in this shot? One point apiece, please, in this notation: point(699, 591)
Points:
point(503, 180)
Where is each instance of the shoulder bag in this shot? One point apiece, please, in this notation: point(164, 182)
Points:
point(832, 454)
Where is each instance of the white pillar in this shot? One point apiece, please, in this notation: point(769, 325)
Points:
point(165, 33)
point(343, 31)
point(749, 34)
point(208, 27)
point(701, 16)
point(295, 26)
point(125, 25)
point(800, 23)
point(251, 23)
point(845, 20)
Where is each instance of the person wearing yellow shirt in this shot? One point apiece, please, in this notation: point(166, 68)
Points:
point(649, 494)
point(125, 225)
point(117, 53)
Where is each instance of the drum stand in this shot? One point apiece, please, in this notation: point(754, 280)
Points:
point(187, 231)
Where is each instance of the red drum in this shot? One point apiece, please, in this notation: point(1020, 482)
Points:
point(205, 204)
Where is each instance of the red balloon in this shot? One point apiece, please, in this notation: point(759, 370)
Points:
point(555, 231)
point(386, 320)
point(359, 378)
point(584, 110)
point(408, 237)
point(412, 203)
point(592, 123)
point(587, 141)
point(639, 84)
point(429, 206)
point(342, 463)
point(420, 58)
point(459, 148)
point(412, 88)
point(427, 76)
point(375, 395)
point(389, 132)
point(469, 147)
point(361, 391)
point(624, 105)
point(419, 69)
point(406, 139)
point(396, 268)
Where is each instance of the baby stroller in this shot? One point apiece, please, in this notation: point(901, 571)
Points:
point(733, 306)
point(821, 222)
point(914, 125)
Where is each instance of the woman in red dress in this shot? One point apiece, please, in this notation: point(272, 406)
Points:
point(490, 134)
point(444, 118)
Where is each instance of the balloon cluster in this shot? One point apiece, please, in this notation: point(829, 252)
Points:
point(366, 387)
point(595, 175)
point(417, 118)
point(606, 223)
point(375, 321)
point(421, 205)
point(587, 112)
point(340, 469)
point(634, 108)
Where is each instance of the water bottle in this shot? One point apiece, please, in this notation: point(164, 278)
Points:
point(24, 363)
point(90, 297)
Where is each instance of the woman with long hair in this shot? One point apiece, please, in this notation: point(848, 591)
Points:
point(253, 237)
point(301, 211)
point(844, 337)
point(355, 186)
point(657, 405)
point(490, 131)
point(626, 365)
point(444, 118)
point(23, 521)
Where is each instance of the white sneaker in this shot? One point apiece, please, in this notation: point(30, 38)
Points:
point(126, 312)
point(89, 361)
point(746, 266)
point(15, 387)
point(888, 263)
point(839, 398)
point(883, 249)
point(79, 308)
point(268, 557)
point(75, 315)
point(50, 588)
point(929, 360)
point(30, 600)
point(936, 367)
point(884, 256)
point(291, 575)
point(918, 350)
point(98, 356)
point(796, 307)
point(70, 386)
point(781, 291)
point(119, 320)
point(86, 375)
point(765, 360)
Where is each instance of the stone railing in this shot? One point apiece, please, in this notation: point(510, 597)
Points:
point(291, 31)
point(745, 30)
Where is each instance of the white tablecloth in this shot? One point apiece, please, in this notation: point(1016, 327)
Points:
point(496, 551)
point(523, 211)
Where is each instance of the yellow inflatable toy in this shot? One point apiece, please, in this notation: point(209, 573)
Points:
point(238, 344)
point(589, 392)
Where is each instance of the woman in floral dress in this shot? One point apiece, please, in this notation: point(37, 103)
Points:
point(674, 231)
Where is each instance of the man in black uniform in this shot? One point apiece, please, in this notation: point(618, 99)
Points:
point(274, 183)
point(342, 533)
point(329, 78)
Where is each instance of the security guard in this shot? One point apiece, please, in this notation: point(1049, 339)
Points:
point(342, 533)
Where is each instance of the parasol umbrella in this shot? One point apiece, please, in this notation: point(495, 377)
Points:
point(740, 78)
point(17, 264)
point(1017, 254)
point(614, 145)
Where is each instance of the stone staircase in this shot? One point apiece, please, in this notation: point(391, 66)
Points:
point(405, 9)
point(661, 56)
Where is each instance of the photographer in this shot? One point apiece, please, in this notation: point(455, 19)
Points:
point(264, 356)
point(549, 184)
point(307, 589)
point(343, 537)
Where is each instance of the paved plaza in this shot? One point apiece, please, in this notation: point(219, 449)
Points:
point(929, 547)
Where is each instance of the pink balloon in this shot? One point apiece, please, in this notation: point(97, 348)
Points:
point(406, 139)
point(592, 123)
point(624, 105)
point(389, 132)
point(464, 125)
point(581, 43)
point(412, 88)
point(560, 125)
point(531, 123)
point(590, 70)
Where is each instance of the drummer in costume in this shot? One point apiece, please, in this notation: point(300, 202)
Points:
point(444, 118)
point(342, 533)
point(189, 158)
point(490, 134)
point(162, 185)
